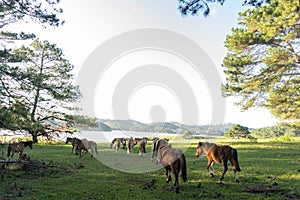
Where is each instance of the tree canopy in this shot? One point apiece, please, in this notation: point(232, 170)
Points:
point(36, 83)
point(45, 12)
point(40, 86)
point(237, 130)
point(193, 7)
point(263, 60)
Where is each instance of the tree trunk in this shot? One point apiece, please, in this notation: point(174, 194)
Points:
point(34, 136)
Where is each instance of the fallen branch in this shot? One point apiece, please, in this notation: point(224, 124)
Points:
point(33, 164)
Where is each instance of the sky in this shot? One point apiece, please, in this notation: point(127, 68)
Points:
point(92, 24)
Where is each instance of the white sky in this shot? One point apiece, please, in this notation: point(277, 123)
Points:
point(89, 23)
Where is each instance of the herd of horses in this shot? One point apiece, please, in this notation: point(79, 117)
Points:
point(172, 159)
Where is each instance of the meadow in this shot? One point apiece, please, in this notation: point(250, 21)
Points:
point(270, 170)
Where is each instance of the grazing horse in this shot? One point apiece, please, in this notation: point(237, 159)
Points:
point(73, 142)
point(18, 147)
point(155, 143)
point(84, 144)
point(117, 142)
point(130, 144)
point(172, 160)
point(219, 154)
point(142, 145)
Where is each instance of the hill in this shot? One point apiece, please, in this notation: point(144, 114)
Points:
point(165, 127)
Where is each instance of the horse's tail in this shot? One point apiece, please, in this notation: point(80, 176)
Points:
point(235, 161)
point(112, 143)
point(8, 150)
point(183, 168)
point(96, 150)
point(144, 146)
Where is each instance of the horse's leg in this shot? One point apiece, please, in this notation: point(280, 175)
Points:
point(225, 168)
point(176, 174)
point(77, 150)
point(80, 152)
point(168, 175)
point(92, 152)
point(176, 184)
point(209, 167)
point(235, 171)
point(12, 154)
point(20, 155)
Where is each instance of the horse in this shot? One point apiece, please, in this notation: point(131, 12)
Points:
point(73, 142)
point(157, 142)
point(219, 154)
point(142, 145)
point(130, 144)
point(117, 142)
point(172, 160)
point(84, 144)
point(18, 147)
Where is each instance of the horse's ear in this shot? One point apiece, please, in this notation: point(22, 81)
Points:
point(200, 143)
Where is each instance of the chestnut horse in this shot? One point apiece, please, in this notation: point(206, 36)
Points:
point(18, 147)
point(219, 154)
point(172, 160)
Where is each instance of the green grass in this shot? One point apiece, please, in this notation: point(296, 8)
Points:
point(270, 170)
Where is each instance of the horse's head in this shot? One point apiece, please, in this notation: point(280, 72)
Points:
point(159, 145)
point(68, 140)
point(199, 150)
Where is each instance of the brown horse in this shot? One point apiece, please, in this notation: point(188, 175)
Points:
point(117, 143)
point(18, 147)
point(172, 160)
point(155, 143)
point(85, 145)
point(141, 142)
point(130, 144)
point(73, 142)
point(219, 154)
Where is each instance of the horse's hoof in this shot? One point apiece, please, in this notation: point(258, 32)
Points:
point(177, 190)
point(237, 181)
point(211, 175)
point(221, 184)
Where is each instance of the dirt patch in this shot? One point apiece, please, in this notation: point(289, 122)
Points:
point(270, 190)
point(149, 185)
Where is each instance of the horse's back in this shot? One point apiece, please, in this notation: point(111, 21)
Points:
point(220, 153)
point(171, 155)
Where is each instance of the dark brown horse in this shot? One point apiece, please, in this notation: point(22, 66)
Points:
point(219, 154)
point(18, 148)
point(73, 142)
point(172, 160)
point(117, 143)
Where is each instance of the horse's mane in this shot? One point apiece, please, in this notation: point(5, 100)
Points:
point(206, 146)
point(160, 144)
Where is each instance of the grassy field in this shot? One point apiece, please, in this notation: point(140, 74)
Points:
point(270, 170)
